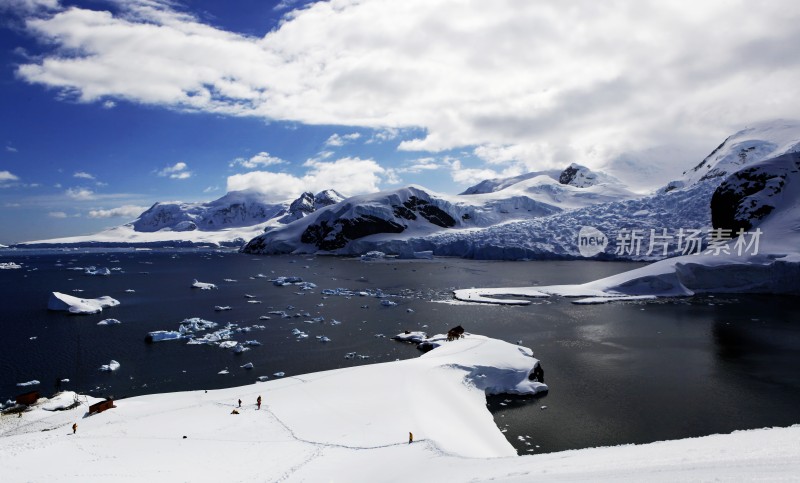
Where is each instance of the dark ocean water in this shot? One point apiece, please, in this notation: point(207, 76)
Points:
point(618, 373)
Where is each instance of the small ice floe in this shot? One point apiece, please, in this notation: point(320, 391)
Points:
point(253, 301)
point(335, 322)
point(162, 335)
point(228, 344)
point(252, 342)
point(373, 255)
point(248, 366)
point(279, 374)
point(32, 382)
point(222, 308)
point(33, 338)
point(543, 407)
point(75, 305)
point(203, 285)
point(103, 271)
point(264, 317)
point(410, 311)
point(299, 334)
point(224, 371)
point(365, 306)
point(322, 338)
point(281, 281)
point(9, 266)
point(320, 304)
point(130, 290)
point(388, 303)
point(261, 275)
point(239, 348)
point(229, 280)
point(110, 367)
point(109, 322)
point(263, 378)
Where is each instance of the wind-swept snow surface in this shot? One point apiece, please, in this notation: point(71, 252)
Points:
point(353, 425)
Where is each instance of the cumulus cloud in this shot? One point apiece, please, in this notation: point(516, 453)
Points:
point(179, 170)
point(6, 177)
point(57, 214)
point(127, 211)
point(80, 194)
point(353, 175)
point(539, 83)
point(337, 140)
point(83, 174)
point(259, 160)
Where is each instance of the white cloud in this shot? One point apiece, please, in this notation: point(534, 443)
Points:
point(82, 174)
point(28, 6)
point(109, 104)
point(353, 175)
point(127, 211)
point(6, 176)
point(11, 205)
point(259, 160)
point(551, 82)
point(177, 171)
point(211, 189)
point(80, 194)
point(11, 149)
point(57, 214)
point(337, 140)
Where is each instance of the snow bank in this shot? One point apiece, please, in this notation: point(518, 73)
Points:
point(75, 305)
point(354, 423)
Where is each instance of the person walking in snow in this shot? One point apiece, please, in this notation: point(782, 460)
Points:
point(410, 437)
point(240, 403)
point(258, 402)
point(74, 427)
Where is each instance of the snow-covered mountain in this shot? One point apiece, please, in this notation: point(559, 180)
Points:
point(391, 217)
point(549, 209)
point(230, 220)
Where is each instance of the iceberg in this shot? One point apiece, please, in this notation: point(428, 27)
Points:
point(9, 266)
point(203, 285)
point(109, 322)
point(162, 335)
point(32, 382)
point(110, 367)
point(75, 305)
point(97, 271)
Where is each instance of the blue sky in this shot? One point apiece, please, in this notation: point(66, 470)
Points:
point(110, 106)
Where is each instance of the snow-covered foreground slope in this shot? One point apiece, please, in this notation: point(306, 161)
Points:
point(352, 425)
point(230, 221)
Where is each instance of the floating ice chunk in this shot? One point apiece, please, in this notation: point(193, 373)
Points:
point(239, 348)
point(229, 280)
point(203, 285)
point(228, 344)
point(32, 382)
point(335, 322)
point(110, 367)
point(97, 271)
point(130, 290)
point(264, 317)
point(33, 338)
point(279, 374)
point(263, 378)
point(9, 266)
point(322, 338)
point(252, 342)
point(605, 300)
point(248, 366)
point(388, 303)
point(253, 301)
point(75, 305)
point(248, 296)
point(373, 255)
point(410, 311)
point(195, 324)
point(221, 308)
point(109, 322)
point(162, 335)
point(224, 371)
point(281, 281)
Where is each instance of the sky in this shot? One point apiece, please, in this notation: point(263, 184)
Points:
point(109, 106)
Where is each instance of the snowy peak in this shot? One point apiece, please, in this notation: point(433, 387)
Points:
point(498, 184)
point(583, 177)
point(327, 198)
point(762, 141)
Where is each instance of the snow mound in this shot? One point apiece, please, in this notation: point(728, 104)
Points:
point(75, 305)
point(203, 285)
